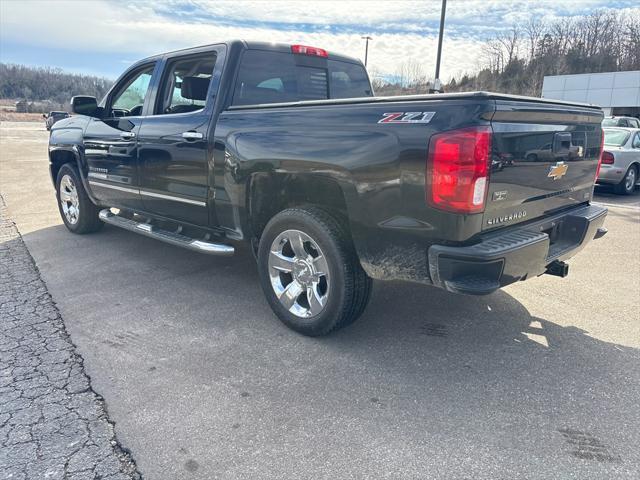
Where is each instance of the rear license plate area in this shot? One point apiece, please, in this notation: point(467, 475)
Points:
point(564, 234)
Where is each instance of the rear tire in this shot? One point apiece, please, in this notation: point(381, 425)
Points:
point(628, 184)
point(78, 212)
point(310, 272)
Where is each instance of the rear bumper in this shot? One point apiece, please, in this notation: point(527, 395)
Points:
point(514, 254)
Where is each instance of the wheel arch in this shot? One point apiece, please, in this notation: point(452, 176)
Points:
point(269, 193)
point(59, 156)
point(636, 164)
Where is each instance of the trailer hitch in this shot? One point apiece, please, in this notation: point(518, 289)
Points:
point(558, 268)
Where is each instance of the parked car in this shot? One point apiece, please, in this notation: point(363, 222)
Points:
point(630, 122)
point(542, 153)
point(53, 117)
point(550, 153)
point(621, 159)
point(285, 147)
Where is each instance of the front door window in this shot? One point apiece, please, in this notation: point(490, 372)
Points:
point(129, 99)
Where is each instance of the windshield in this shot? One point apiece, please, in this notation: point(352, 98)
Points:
point(610, 122)
point(615, 137)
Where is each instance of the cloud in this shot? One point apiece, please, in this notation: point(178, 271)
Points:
point(402, 30)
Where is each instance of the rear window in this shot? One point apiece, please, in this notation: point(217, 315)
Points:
point(615, 137)
point(621, 122)
point(274, 77)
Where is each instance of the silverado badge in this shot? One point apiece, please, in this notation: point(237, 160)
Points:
point(507, 218)
point(558, 170)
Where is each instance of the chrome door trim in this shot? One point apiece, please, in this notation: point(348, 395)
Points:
point(149, 194)
point(170, 197)
point(114, 187)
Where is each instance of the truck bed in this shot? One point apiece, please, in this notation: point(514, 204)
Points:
point(418, 98)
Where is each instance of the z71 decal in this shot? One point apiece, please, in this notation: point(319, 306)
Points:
point(407, 117)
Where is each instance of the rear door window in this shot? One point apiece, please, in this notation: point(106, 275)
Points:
point(186, 84)
point(274, 77)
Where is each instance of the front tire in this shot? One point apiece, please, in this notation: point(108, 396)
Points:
point(78, 212)
point(310, 273)
point(628, 183)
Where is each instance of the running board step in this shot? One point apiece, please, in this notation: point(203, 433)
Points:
point(166, 236)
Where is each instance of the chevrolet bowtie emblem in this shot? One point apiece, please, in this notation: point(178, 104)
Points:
point(558, 170)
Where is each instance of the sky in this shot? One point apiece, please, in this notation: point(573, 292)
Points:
point(101, 37)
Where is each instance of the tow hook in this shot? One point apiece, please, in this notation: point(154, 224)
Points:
point(600, 233)
point(558, 268)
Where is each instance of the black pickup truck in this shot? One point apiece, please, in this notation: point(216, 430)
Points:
point(286, 148)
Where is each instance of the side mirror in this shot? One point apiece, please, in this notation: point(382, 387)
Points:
point(44, 115)
point(84, 105)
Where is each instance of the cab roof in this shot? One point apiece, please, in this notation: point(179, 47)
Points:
point(252, 45)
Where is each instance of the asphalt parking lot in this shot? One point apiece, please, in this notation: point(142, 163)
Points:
point(539, 381)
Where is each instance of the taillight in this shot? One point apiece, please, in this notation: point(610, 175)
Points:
point(601, 153)
point(607, 158)
point(457, 171)
point(305, 50)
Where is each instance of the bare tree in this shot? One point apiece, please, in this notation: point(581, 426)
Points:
point(411, 76)
point(377, 80)
point(534, 30)
point(510, 43)
point(493, 54)
point(631, 41)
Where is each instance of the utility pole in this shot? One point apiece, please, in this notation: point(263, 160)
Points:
point(437, 84)
point(366, 48)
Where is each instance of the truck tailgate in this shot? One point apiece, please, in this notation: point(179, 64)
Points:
point(544, 159)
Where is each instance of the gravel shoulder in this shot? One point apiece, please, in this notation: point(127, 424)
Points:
point(52, 424)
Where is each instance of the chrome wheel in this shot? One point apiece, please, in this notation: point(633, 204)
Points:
point(69, 199)
point(630, 180)
point(299, 273)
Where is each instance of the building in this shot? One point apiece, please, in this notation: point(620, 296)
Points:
point(22, 106)
point(618, 93)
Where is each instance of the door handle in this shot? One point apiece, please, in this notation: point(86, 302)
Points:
point(127, 135)
point(192, 135)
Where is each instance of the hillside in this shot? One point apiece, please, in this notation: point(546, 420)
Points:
point(46, 84)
